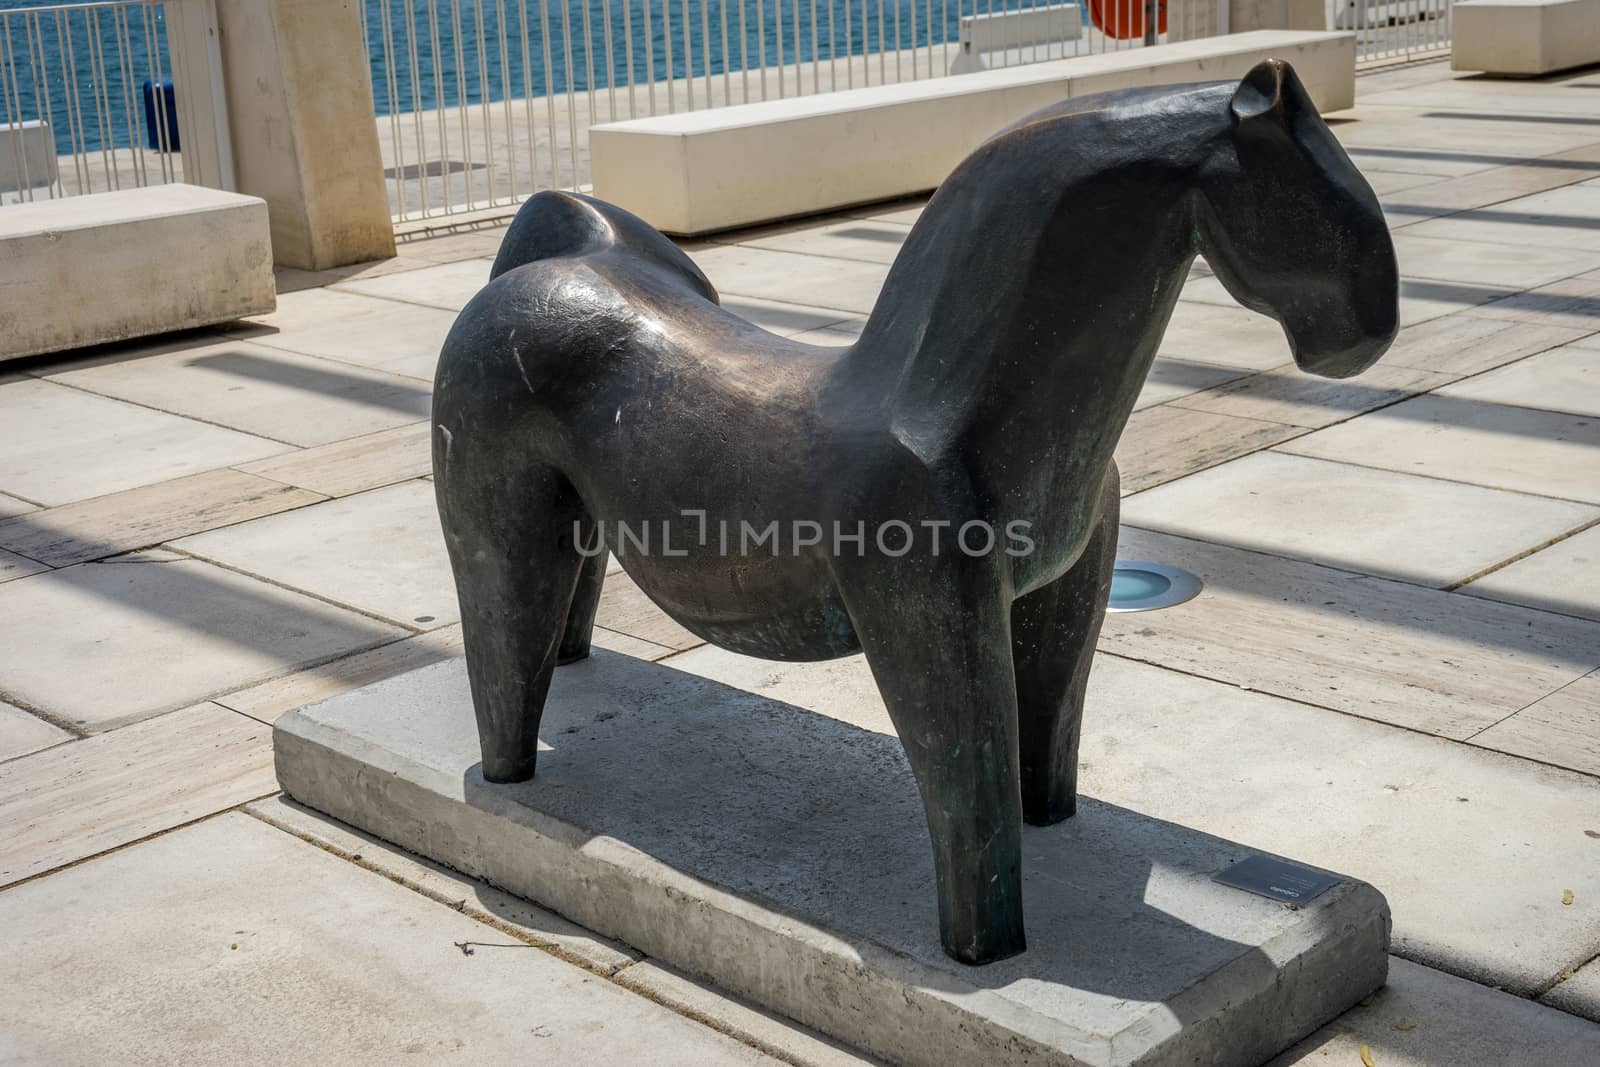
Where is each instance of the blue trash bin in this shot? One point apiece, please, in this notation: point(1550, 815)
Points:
point(157, 137)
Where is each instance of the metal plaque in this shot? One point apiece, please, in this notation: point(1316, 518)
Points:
point(1277, 879)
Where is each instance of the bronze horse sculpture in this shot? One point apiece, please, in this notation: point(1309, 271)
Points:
point(595, 386)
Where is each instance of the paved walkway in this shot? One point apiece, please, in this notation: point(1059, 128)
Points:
point(1394, 670)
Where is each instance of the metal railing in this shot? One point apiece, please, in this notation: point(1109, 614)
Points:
point(480, 103)
point(1394, 31)
point(86, 99)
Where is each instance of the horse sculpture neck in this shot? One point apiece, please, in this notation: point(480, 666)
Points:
point(1036, 286)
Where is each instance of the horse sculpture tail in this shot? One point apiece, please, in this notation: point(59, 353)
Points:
point(556, 225)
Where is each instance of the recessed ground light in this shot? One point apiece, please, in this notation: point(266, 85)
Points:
point(1147, 586)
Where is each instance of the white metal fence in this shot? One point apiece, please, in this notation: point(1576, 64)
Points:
point(1394, 31)
point(86, 99)
point(482, 102)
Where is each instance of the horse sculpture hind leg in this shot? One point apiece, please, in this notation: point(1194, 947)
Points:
point(510, 533)
point(1053, 634)
point(579, 630)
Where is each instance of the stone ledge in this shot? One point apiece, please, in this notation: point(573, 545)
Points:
point(783, 855)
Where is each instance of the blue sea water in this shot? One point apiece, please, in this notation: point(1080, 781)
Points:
point(57, 58)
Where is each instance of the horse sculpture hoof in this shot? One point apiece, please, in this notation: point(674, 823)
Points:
point(941, 494)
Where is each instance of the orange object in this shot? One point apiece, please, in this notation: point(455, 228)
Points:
point(1125, 19)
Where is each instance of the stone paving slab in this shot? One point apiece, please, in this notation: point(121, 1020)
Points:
point(1462, 133)
point(1424, 1018)
point(270, 699)
point(22, 733)
point(1562, 729)
point(133, 636)
point(10, 505)
point(233, 942)
point(448, 286)
point(1558, 218)
point(138, 518)
point(807, 884)
point(1360, 518)
point(1573, 302)
point(455, 246)
point(1469, 440)
point(307, 311)
point(79, 799)
point(381, 552)
point(625, 608)
point(356, 464)
point(1516, 266)
point(787, 318)
point(300, 400)
point(291, 280)
point(1469, 344)
point(873, 241)
point(1563, 379)
point(903, 212)
point(381, 334)
point(1488, 186)
point(1290, 395)
point(1223, 334)
point(1421, 299)
point(1422, 819)
point(1565, 577)
point(1578, 994)
point(1170, 379)
point(699, 999)
point(1416, 658)
point(816, 280)
point(1166, 443)
point(465, 895)
point(1419, 659)
point(1385, 182)
point(13, 566)
point(58, 444)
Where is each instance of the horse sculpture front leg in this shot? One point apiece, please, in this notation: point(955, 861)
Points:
point(936, 633)
point(1053, 633)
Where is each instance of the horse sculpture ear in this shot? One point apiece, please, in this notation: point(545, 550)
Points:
point(1264, 91)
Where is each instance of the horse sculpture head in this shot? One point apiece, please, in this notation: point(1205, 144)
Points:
point(1293, 230)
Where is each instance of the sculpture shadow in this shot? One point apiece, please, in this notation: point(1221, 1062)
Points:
point(821, 820)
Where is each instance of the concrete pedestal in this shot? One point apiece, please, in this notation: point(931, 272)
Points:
point(783, 855)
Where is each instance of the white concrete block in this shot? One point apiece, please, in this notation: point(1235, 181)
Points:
point(1008, 32)
point(27, 156)
point(109, 266)
point(701, 171)
point(1525, 36)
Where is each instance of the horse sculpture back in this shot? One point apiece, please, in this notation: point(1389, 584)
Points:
point(941, 494)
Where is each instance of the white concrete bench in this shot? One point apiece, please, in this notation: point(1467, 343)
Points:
point(1016, 34)
point(1524, 36)
point(27, 156)
point(734, 166)
point(84, 270)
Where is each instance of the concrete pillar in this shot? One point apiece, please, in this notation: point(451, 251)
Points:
point(300, 116)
